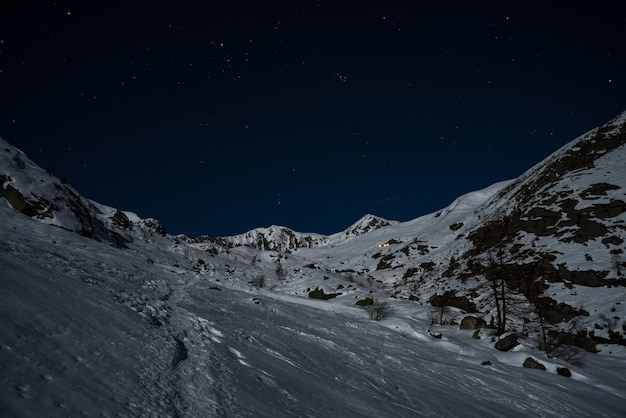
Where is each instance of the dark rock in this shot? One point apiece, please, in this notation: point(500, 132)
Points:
point(486, 363)
point(449, 298)
point(365, 302)
point(563, 371)
point(427, 265)
point(385, 262)
point(589, 230)
point(410, 272)
point(180, 352)
point(476, 334)
point(18, 202)
point(531, 363)
point(613, 239)
point(456, 227)
point(319, 294)
point(541, 221)
point(120, 219)
point(472, 322)
point(591, 278)
point(507, 343)
point(597, 189)
point(609, 210)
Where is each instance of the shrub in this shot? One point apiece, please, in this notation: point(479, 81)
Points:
point(379, 310)
point(555, 349)
point(280, 271)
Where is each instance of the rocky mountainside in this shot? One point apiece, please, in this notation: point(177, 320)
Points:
point(552, 241)
point(557, 233)
point(37, 193)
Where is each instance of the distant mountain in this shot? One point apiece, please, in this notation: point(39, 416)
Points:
point(280, 238)
point(105, 313)
point(273, 238)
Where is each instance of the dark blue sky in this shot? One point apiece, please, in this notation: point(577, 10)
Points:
point(218, 117)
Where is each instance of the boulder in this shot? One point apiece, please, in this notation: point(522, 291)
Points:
point(563, 371)
point(319, 294)
point(18, 202)
point(531, 363)
point(449, 298)
point(472, 322)
point(365, 302)
point(507, 343)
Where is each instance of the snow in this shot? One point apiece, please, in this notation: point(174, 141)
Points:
point(79, 337)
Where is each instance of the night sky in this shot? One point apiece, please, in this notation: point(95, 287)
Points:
point(219, 117)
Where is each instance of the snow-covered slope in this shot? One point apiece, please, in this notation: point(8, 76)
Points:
point(90, 329)
point(267, 323)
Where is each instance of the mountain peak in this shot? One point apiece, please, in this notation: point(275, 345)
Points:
point(366, 224)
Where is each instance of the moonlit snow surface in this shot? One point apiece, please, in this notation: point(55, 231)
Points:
point(89, 329)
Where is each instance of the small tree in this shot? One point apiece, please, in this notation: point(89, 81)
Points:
point(549, 342)
point(498, 286)
point(439, 315)
point(280, 271)
point(617, 264)
point(379, 310)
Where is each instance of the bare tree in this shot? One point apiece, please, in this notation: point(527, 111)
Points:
point(280, 270)
point(379, 310)
point(617, 264)
point(498, 287)
point(439, 315)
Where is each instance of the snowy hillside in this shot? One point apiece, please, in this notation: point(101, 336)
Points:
point(104, 314)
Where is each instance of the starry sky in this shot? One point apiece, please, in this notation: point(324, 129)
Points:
point(217, 117)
